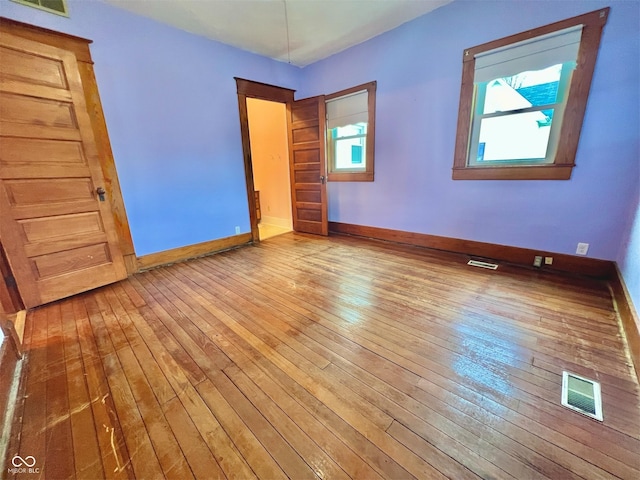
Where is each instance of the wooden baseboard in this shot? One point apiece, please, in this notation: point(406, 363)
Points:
point(521, 256)
point(628, 317)
point(192, 251)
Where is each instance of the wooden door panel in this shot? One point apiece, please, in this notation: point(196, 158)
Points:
point(17, 152)
point(312, 213)
point(52, 229)
point(53, 209)
point(64, 244)
point(305, 121)
point(310, 227)
point(24, 67)
point(37, 111)
point(31, 192)
point(308, 134)
point(309, 196)
point(305, 110)
point(61, 263)
point(42, 198)
point(306, 156)
point(18, 88)
point(306, 176)
point(9, 129)
point(57, 287)
point(59, 238)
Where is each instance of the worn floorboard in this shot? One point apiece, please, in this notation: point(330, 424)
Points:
point(306, 357)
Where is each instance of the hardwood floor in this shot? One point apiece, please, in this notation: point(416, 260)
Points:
point(267, 230)
point(308, 357)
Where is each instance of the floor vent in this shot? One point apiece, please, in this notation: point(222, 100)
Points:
point(478, 263)
point(582, 395)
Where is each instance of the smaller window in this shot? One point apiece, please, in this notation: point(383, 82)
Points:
point(350, 134)
point(58, 7)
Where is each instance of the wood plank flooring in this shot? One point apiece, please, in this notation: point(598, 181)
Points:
point(333, 358)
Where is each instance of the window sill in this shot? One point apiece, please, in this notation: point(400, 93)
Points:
point(350, 177)
point(534, 172)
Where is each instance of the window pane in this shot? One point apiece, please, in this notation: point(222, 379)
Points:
point(56, 5)
point(515, 137)
point(523, 90)
point(350, 153)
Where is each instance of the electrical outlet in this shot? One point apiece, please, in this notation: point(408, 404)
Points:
point(537, 261)
point(237, 230)
point(548, 260)
point(582, 249)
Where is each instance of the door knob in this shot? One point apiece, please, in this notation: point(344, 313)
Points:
point(101, 193)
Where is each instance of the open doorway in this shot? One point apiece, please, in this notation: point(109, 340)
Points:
point(270, 164)
point(305, 139)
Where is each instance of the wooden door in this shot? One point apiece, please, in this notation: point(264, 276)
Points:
point(58, 235)
point(306, 127)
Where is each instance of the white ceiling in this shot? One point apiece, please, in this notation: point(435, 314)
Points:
point(299, 32)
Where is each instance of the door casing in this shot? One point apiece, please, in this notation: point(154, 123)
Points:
point(250, 89)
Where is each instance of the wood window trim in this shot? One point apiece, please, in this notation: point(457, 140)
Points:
point(368, 174)
point(564, 161)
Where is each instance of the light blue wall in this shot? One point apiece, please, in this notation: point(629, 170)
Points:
point(418, 68)
point(171, 108)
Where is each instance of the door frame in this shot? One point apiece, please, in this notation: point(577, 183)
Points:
point(262, 91)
